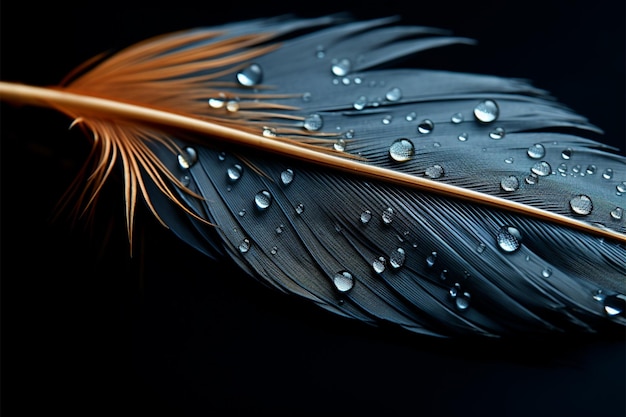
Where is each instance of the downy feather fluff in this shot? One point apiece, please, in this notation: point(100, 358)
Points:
point(445, 203)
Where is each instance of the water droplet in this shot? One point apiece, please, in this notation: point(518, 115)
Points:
point(313, 122)
point(486, 111)
point(349, 134)
point(221, 156)
point(340, 145)
point(509, 184)
point(242, 212)
point(614, 304)
point(497, 133)
point(598, 295)
point(217, 103)
point(621, 187)
point(457, 118)
point(480, 248)
point(617, 213)
point(434, 172)
point(263, 199)
point(577, 169)
point(379, 265)
point(387, 119)
point(454, 290)
point(463, 137)
point(431, 259)
point(360, 103)
point(425, 127)
point(531, 179)
point(269, 132)
point(274, 250)
point(462, 300)
point(341, 67)
point(250, 76)
point(232, 106)
point(541, 169)
point(244, 246)
point(345, 81)
point(320, 52)
point(397, 257)
point(591, 169)
point(387, 215)
point(444, 275)
point(509, 160)
point(411, 116)
point(546, 273)
point(567, 153)
point(401, 150)
point(299, 209)
point(607, 174)
point(280, 229)
point(366, 216)
point(581, 204)
point(509, 239)
point(562, 168)
point(187, 157)
point(393, 94)
point(286, 176)
point(344, 281)
point(306, 97)
point(234, 173)
point(536, 151)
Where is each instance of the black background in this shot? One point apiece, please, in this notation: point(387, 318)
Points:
point(88, 330)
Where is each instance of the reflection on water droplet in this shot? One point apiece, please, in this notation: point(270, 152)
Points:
point(187, 157)
point(567, 153)
point(599, 295)
point(434, 172)
point(457, 118)
point(366, 216)
point(480, 248)
point(242, 212)
point(509, 184)
point(313, 122)
point(425, 127)
point(431, 259)
point(263, 199)
point(396, 258)
point(341, 67)
point(340, 145)
point(360, 103)
point(344, 281)
point(541, 169)
point(617, 213)
point(536, 151)
point(614, 304)
point(250, 76)
point(607, 174)
point(244, 246)
point(546, 273)
point(286, 176)
point(394, 94)
point(216, 103)
point(497, 133)
point(401, 150)
point(387, 215)
point(387, 119)
point(299, 209)
point(234, 173)
point(379, 265)
point(581, 204)
point(486, 111)
point(509, 239)
point(463, 137)
point(232, 105)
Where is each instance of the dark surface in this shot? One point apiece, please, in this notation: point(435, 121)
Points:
point(87, 330)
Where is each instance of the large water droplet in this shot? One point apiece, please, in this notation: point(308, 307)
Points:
point(234, 173)
point(457, 118)
point(244, 246)
point(581, 204)
point(509, 184)
point(486, 111)
point(387, 215)
point(541, 169)
point(341, 67)
point(397, 257)
point(250, 76)
point(509, 239)
point(617, 213)
point(313, 122)
point(379, 265)
point(232, 105)
point(394, 94)
point(434, 172)
point(401, 150)
point(366, 216)
point(425, 127)
point(339, 145)
point(497, 133)
point(286, 176)
point(536, 151)
point(344, 281)
point(187, 157)
point(263, 199)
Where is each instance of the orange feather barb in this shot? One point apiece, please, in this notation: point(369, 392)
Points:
point(444, 203)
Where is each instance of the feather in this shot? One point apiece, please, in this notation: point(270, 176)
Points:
point(444, 203)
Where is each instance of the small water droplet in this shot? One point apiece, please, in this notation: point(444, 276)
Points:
point(387, 119)
point(263, 199)
point(577, 169)
point(306, 97)
point(462, 300)
point(379, 265)
point(598, 295)
point(345, 81)
point(349, 134)
point(607, 174)
point(344, 281)
point(411, 116)
point(444, 275)
point(269, 132)
point(244, 246)
point(340, 145)
point(185, 180)
point(299, 209)
point(366, 216)
point(434, 172)
point(274, 250)
point(486, 111)
point(397, 257)
point(232, 106)
point(394, 94)
point(546, 273)
point(562, 168)
point(509, 239)
point(454, 290)
point(480, 248)
point(531, 179)
point(509, 160)
point(387, 215)
point(313, 122)
point(280, 229)
point(463, 137)
point(567, 153)
point(250, 76)
point(536, 151)
point(217, 102)
point(320, 52)
point(360, 103)
point(187, 158)
point(617, 213)
point(431, 259)
point(425, 127)
point(541, 169)
point(509, 184)
point(591, 169)
point(581, 204)
point(242, 212)
point(221, 156)
point(286, 176)
point(234, 173)
point(341, 67)
point(401, 150)
point(457, 118)
point(621, 187)
point(497, 133)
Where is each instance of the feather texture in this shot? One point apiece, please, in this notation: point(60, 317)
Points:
point(445, 203)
